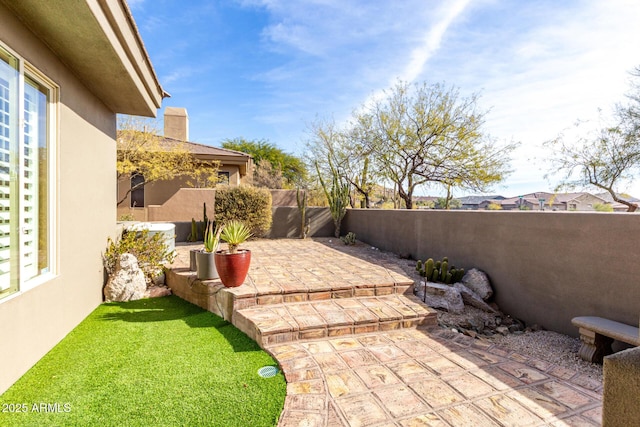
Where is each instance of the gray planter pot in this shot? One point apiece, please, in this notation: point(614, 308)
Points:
point(192, 259)
point(206, 266)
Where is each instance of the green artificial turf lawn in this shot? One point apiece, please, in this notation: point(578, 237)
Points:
point(153, 362)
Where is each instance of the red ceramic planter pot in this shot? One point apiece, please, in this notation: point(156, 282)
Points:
point(233, 268)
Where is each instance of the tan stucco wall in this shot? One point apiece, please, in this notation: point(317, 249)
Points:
point(287, 222)
point(157, 193)
point(36, 320)
point(284, 198)
point(546, 267)
point(186, 204)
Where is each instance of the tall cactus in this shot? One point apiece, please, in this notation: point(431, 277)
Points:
point(193, 236)
point(337, 195)
point(302, 207)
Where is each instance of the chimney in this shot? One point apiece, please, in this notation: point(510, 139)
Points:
point(176, 123)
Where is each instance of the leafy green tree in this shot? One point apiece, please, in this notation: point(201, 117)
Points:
point(292, 168)
point(429, 134)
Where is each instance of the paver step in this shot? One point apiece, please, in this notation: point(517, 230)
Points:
point(213, 296)
point(286, 322)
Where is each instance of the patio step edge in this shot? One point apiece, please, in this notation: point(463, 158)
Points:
point(287, 322)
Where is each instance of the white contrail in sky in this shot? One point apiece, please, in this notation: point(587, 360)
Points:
point(432, 40)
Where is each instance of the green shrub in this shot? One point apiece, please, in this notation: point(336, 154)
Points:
point(603, 207)
point(150, 250)
point(247, 204)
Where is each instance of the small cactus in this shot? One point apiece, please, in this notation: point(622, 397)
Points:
point(349, 239)
point(429, 267)
point(439, 271)
point(444, 269)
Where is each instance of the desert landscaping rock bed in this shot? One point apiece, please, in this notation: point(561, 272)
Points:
point(498, 328)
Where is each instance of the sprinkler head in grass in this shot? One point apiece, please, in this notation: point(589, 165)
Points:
point(268, 371)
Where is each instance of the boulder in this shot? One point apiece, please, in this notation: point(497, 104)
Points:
point(127, 283)
point(157, 291)
point(471, 298)
point(478, 282)
point(158, 278)
point(438, 295)
point(502, 330)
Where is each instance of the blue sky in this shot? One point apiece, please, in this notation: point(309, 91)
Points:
point(266, 68)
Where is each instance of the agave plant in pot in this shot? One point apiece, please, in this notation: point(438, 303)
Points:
point(205, 259)
point(233, 264)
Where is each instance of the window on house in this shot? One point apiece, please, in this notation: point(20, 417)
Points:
point(25, 175)
point(223, 178)
point(137, 190)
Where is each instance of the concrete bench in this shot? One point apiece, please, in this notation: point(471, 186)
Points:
point(598, 333)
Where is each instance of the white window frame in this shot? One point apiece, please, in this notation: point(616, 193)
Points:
point(24, 67)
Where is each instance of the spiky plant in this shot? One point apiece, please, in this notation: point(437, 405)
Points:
point(234, 233)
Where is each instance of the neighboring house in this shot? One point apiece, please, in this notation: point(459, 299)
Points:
point(553, 202)
point(66, 69)
point(236, 168)
point(474, 202)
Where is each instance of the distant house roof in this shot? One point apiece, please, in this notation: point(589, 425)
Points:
point(606, 196)
point(476, 200)
point(208, 152)
point(203, 149)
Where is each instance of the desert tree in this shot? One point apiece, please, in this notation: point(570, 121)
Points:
point(142, 152)
point(425, 134)
point(606, 157)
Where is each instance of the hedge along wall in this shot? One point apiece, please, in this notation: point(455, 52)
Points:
point(545, 267)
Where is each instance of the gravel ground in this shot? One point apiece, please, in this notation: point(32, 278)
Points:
point(551, 347)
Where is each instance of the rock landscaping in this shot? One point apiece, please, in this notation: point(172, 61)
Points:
point(128, 282)
point(465, 308)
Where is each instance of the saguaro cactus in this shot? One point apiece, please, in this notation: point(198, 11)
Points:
point(302, 207)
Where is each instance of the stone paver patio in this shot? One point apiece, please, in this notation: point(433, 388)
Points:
point(400, 370)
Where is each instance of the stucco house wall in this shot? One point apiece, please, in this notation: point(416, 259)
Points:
point(84, 213)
